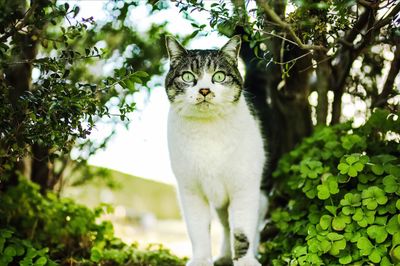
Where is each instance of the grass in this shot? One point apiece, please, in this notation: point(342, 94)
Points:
point(137, 195)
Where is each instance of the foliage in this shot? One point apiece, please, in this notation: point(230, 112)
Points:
point(46, 230)
point(343, 186)
point(69, 93)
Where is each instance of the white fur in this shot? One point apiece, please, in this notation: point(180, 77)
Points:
point(217, 155)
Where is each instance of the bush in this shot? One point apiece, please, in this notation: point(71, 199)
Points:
point(45, 230)
point(343, 187)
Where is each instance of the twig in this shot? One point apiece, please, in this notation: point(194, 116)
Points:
point(277, 36)
point(293, 60)
point(386, 20)
point(275, 18)
point(316, 64)
point(388, 88)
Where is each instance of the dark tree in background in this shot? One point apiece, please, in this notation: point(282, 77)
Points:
point(289, 55)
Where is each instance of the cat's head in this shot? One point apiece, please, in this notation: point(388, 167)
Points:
point(203, 83)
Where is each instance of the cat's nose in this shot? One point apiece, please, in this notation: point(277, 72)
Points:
point(204, 91)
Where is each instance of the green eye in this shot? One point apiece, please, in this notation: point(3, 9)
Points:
point(187, 77)
point(219, 76)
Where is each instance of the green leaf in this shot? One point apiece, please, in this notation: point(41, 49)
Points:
point(141, 74)
point(351, 160)
point(364, 245)
point(10, 251)
point(391, 184)
point(334, 236)
point(375, 256)
point(373, 196)
point(40, 261)
point(393, 225)
point(396, 239)
point(337, 246)
point(325, 221)
point(345, 259)
point(385, 262)
point(95, 254)
point(343, 168)
point(325, 246)
point(299, 251)
point(378, 233)
point(339, 222)
point(395, 253)
point(331, 209)
point(377, 169)
point(323, 192)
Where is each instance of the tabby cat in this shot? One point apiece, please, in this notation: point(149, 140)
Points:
point(216, 150)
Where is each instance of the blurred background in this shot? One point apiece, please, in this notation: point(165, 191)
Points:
point(84, 112)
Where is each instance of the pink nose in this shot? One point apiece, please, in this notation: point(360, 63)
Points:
point(204, 91)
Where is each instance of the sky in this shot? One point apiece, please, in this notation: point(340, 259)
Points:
point(142, 149)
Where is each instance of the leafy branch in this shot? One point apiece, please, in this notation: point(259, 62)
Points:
point(287, 27)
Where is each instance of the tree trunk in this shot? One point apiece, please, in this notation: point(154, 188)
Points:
point(18, 75)
point(284, 112)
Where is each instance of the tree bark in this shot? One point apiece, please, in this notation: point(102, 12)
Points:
point(284, 112)
point(388, 89)
point(18, 75)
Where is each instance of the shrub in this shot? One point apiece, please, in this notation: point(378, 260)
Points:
point(46, 230)
point(343, 187)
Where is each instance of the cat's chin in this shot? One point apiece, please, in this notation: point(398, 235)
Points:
point(203, 110)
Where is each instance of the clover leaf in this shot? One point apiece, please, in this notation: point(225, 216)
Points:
point(395, 253)
point(311, 168)
point(349, 141)
point(345, 259)
point(337, 246)
point(325, 221)
point(339, 222)
point(365, 246)
point(350, 202)
point(392, 184)
point(363, 218)
point(309, 189)
point(327, 188)
point(393, 226)
point(352, 164)
point(372, 197)
point(378, 233)
point(365, 178)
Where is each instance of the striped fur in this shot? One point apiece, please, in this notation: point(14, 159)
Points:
point(201, 62)
point(216, 151)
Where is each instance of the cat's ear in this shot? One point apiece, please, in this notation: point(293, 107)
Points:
point(232, 48)
point(175, 49)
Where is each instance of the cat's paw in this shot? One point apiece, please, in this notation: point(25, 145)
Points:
point(200, 262)
point(223, 261)
point(246, 262)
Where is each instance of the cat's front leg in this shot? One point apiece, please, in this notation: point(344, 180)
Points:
point(197, 217)
point(243, 212)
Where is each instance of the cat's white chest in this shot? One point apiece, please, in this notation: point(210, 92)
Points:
point(208, 156)
point(200, 155)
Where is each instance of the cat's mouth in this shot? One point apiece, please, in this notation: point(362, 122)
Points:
point(204, 102)
point(204, 105)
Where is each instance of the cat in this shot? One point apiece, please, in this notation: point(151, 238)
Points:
point(216, 150)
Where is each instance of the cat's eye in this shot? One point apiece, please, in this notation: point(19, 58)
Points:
point(187, 77)
point(219, 76)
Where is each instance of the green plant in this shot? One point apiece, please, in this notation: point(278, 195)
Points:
point(45, 230)
point(343, 188)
